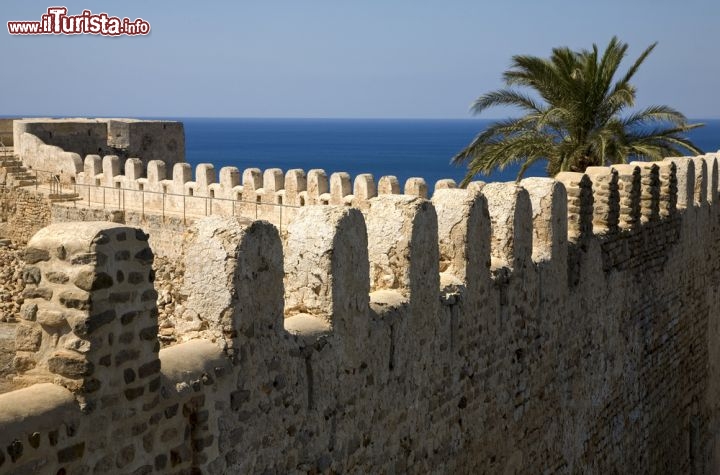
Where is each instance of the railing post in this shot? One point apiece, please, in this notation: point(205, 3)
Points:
point(88, 196)
point(123, 200)
point(281, 207)
point(163, 208)
point(103, 197)
point(142, 199)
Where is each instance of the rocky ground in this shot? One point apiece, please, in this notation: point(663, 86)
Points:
point(11, 283)
point(11, 287)
point(168, 283)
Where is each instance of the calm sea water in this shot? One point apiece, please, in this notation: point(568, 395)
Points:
point(403, 148)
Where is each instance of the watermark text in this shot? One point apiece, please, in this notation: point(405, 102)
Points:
point(57, 22)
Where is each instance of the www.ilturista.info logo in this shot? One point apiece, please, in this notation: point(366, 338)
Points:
point(57, 22)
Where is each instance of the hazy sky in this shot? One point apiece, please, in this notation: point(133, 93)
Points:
point(337, 58)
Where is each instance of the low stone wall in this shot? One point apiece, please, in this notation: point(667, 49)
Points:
point(23, 212)
point(166, 233)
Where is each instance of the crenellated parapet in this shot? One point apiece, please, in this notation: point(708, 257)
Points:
point(603, 202)
point(233, 281)
point(606, 199)
point(649, 191)
point(256, 193)
point(89, 306)
point(578, 187)
point(550, 226)
point(629, 192)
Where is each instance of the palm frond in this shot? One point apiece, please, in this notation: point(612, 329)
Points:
point(574, 115)
point(505, 97)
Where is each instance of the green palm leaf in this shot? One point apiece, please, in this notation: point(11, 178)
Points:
point(575, 116)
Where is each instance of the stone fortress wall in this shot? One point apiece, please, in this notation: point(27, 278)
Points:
point(553, 326)
point(59, 145)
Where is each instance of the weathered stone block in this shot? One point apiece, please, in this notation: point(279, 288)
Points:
point(31, 275)
point(91, 280)
point(128, 317)
point(51, 318)
point(87, 325)
point(69, 364)
point(75, 299)
point(24, 361)
point(28, 337)
point(126, 355)
point(74, 452)
point(56, 277)
point(34, 440)
point(129, 376)
point(15, 450)
point(146, 256)
point(28, 311)
point(37, 293)
point(34, 255)
point(149, 369)
point(134, 393)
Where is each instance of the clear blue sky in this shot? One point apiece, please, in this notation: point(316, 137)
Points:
point(337, 58)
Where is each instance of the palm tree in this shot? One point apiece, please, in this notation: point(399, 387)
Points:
point(575, 116)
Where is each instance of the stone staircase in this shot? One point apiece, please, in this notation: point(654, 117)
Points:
point(14, 174)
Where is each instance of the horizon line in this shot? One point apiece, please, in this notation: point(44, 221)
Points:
point(221, 117)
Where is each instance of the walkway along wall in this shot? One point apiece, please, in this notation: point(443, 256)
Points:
point(555, 326)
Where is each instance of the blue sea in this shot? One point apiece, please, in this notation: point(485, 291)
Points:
point(404, 148)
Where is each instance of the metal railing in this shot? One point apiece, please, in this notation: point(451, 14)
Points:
point(171, 204)
point(50, 180)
